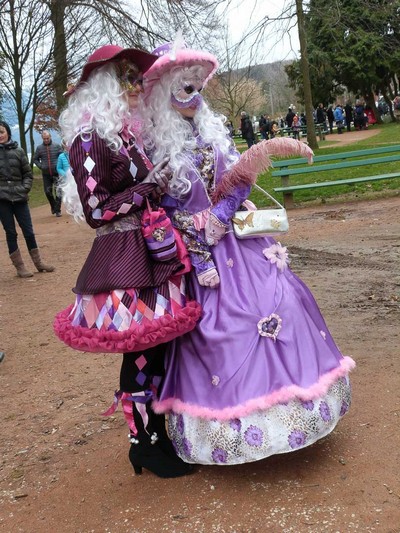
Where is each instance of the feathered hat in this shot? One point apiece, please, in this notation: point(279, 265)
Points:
point(176, 54)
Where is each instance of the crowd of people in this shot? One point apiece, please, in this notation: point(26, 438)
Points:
point(328, 117)
point(215, 332)
point(360, 115)
point(267, 128)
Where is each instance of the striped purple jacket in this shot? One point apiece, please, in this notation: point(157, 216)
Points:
point(113, 200)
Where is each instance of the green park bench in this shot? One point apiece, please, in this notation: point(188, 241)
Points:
point(320, 131)
point(290, 167)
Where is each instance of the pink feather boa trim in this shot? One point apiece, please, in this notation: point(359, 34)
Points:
point(283, 395)
point(161, 330)
point(256, 160)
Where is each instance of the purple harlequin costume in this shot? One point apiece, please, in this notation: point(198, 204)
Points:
point(260, 374)
point(125, 301)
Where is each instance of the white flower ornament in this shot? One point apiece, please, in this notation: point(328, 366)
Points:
point(278, 255)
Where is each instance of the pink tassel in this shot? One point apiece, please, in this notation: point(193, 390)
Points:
point(256, 160)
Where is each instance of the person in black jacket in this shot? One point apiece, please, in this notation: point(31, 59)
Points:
point(348, 109)
point(45, 158)
point(247, 129)
point(15, 183)
point(331, 118)
point(320, 115)
point(289, 117)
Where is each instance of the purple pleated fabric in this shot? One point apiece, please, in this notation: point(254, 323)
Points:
point(226, 347)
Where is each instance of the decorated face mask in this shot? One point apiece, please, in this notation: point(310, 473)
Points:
point(187, 93)
point(129, 76)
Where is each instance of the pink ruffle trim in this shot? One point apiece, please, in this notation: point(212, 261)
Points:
point(161, 330)
point(283, 395)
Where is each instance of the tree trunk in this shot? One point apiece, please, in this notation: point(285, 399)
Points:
point(311, 137)
point(57, 16)
point(20, 108)
point(17, 72)
point(32, 142)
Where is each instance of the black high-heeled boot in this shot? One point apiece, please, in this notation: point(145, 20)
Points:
point(145, 452)
point(158, 424)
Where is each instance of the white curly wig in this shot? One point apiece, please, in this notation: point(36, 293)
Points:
point(98, 105)
point(167, 134)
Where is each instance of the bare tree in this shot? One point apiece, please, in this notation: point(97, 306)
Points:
point(233, 90)
point(284, 24)
point(1, 90)
point(140, 24)
point(26, 49)
point(230, 93)
point(199, 20)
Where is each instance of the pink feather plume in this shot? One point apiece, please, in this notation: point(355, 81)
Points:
point(256, 160)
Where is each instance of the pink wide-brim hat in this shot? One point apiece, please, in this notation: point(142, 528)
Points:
point(113, 53)
point(169, 58)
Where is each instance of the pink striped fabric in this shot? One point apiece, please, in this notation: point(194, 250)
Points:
point(118, 259)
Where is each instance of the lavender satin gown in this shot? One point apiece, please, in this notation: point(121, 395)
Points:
point(260, 374)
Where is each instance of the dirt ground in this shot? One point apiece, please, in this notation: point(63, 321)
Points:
point(65, 469)
point(349, 137)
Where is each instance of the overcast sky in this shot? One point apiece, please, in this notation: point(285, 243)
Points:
point(278, 42)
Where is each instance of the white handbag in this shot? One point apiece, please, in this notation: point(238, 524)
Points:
point(264, 222)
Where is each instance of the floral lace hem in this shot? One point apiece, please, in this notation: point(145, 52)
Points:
point(280, 429)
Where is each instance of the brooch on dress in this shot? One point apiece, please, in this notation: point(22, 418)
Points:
point(270, 326)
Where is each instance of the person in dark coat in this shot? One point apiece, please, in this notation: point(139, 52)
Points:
point(289, 117)
point(264, 125)
point(359, 116)
point(331, 118)
point(247, 129)
point(45, 158)
point(15, 183)
point(321, 115)
point(348, 111)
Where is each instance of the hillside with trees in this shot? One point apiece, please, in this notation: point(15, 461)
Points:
point(257, 90)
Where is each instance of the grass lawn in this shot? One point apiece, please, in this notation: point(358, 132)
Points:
point(37, 196)
point(389, 133)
